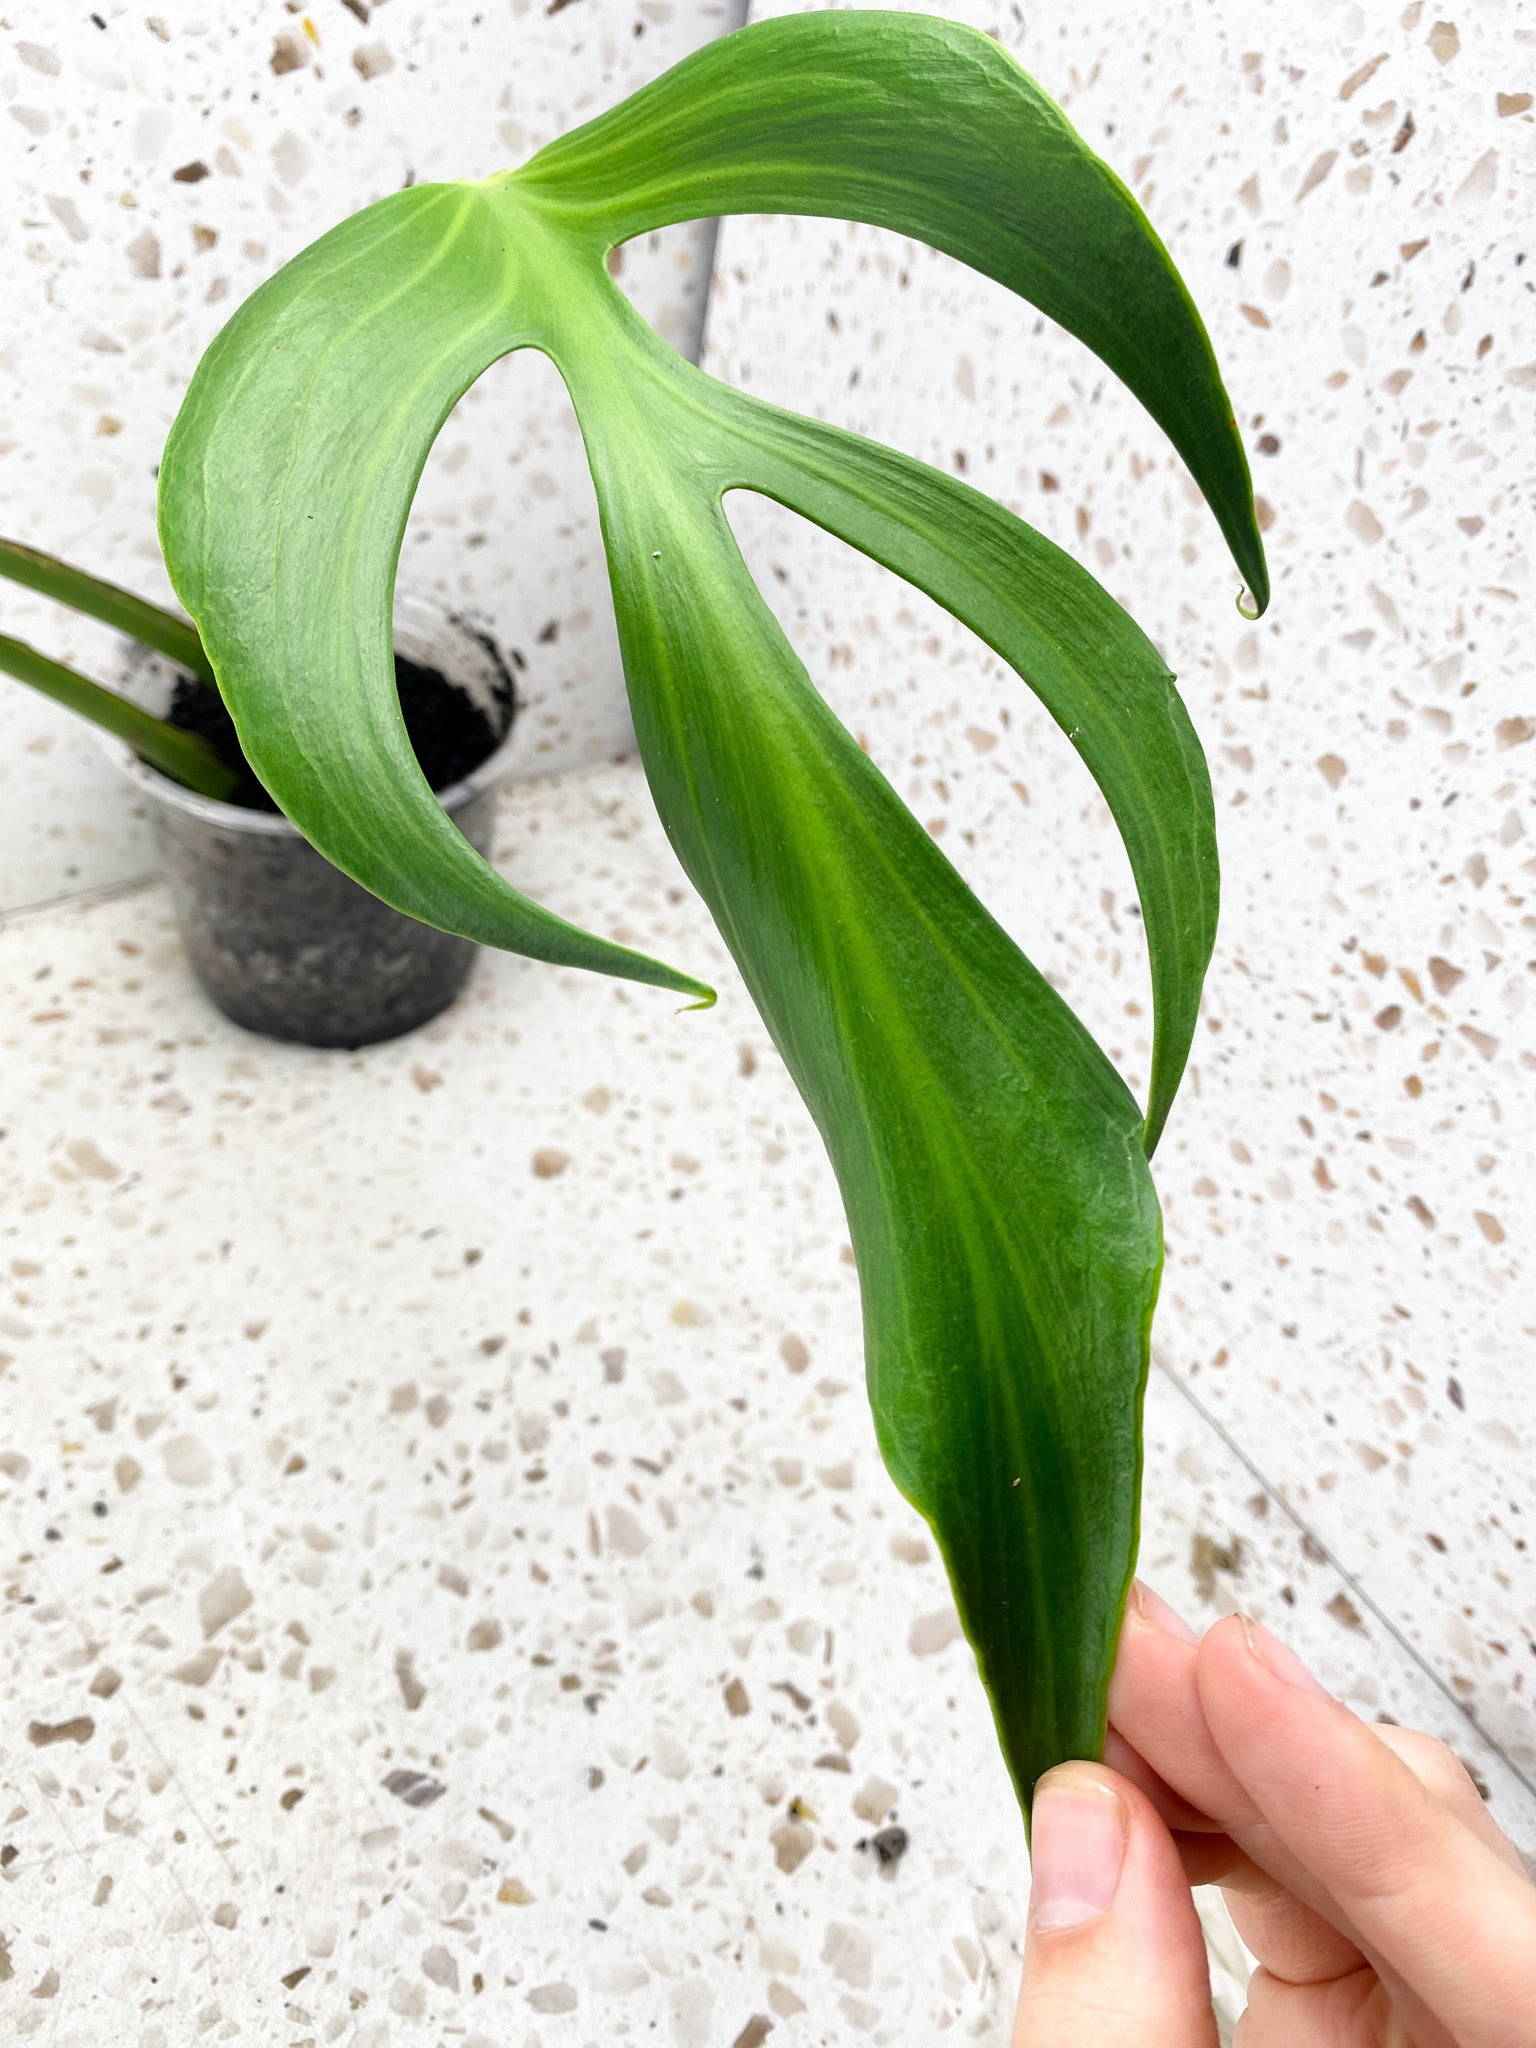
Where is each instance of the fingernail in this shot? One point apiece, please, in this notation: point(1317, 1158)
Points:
point(1077, 1846)
point(1155, 1611)
point(1280, 1662)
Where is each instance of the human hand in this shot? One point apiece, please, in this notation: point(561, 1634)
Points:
point(1360, 1866)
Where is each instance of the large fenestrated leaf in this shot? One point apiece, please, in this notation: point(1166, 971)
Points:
point(991, 1161)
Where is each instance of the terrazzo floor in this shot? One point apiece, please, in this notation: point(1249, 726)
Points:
point(451, 1591)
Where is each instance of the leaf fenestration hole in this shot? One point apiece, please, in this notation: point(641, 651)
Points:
point(665, 276)
point(505, 522)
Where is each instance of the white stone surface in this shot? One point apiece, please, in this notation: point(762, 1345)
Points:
point(486, 1408)
point(1347, 1178)
point(160, 167)
point(247, 1271)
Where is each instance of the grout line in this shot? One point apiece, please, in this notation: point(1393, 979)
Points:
point(699, 339)
point(738, 13)
point(78, 899)
point(1372, 1607)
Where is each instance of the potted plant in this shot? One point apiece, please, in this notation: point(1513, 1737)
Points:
point(283, 942)
point(993, 1165)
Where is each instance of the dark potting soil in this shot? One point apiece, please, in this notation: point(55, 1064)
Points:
point(448, 731)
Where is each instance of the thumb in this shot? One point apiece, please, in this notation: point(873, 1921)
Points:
point(1114, 1952)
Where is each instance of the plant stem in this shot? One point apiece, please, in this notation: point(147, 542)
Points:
point(181, 755)
point(155, 627)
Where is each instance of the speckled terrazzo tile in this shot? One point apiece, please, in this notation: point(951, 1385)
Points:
point(1216, 1539)
point(448, 1465)
point(451, 1589)
point(162, 165)
point(1347, 1177)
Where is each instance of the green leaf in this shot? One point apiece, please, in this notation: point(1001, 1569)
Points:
point(991, 1161)
point(115, 607)
point(181, 755)
point(931, 129)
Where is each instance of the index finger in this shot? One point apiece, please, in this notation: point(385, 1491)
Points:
point(1289, 1920)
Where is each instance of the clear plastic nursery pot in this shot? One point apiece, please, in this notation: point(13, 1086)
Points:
point(282, 942)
